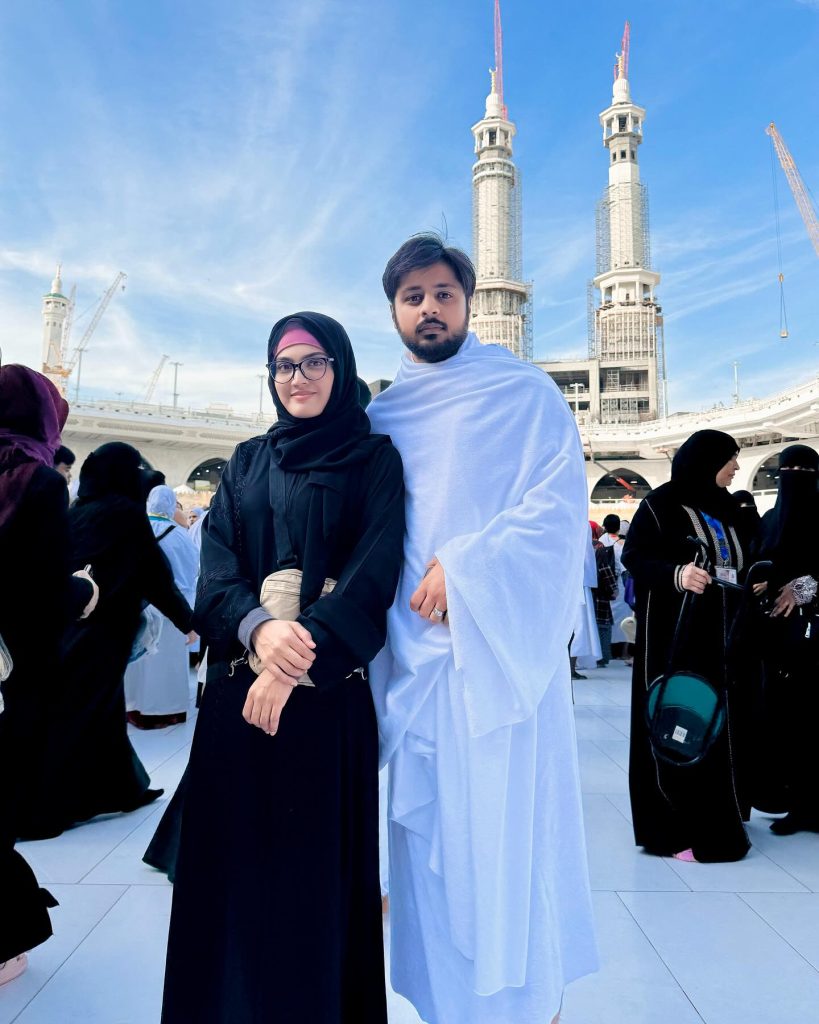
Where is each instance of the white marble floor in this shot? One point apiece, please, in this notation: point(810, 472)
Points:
point(680, 943)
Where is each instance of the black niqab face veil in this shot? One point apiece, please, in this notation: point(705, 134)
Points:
point(694, 472)
point(112, 470)
point(790, 527)
point(340, 435)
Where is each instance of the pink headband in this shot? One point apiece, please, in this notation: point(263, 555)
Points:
point(296, 336)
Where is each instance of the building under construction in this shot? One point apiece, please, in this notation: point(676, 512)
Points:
point(502, 305)
point(623, 378)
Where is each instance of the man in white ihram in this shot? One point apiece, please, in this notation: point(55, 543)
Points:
point(490, 907)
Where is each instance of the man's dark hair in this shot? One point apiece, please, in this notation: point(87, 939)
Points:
point(421, 251)
point(611, 524)
point(65, 456)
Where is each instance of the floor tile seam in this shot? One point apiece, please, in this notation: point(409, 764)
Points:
point(116, 846)
point(678, 871)
point(783, 868)
point(660, 957)
point(614, 805)
point(170, 757)
point(774, 929)
point(603, 752)
point(625, 735)
point(70, 954)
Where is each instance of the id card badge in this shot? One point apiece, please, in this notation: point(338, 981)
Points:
point(726, 574)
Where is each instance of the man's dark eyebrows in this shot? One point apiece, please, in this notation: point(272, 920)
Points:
point(417, 287)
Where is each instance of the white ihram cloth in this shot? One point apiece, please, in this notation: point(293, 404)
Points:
point(489, 893)
point(586, 640)
point(158, 684)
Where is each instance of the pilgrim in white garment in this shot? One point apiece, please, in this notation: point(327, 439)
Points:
point(490, 910)
point(585, 645)
point(158, 684)
point(619, 609)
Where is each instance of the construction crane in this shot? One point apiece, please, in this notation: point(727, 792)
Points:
point(498, 77)
point(82, 344)
point(804, 204)
point(149, 393)
point(621, 61)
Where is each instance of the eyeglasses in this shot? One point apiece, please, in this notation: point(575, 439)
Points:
point(312, 368)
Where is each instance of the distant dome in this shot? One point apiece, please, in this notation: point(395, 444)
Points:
point(621, 93)
point(493, 105)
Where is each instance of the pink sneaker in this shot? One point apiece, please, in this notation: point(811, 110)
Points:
point(687, 856)
point(13, 968)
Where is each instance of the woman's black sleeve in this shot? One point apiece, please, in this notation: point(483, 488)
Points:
point(645, 554)
point(224, 594)
point(349, 626)
point(49, 561)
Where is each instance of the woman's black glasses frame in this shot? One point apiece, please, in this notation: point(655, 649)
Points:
point(274, 368)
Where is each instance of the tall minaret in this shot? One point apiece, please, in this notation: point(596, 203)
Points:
point(501, 307)
point(627, 334)
point(55, 310)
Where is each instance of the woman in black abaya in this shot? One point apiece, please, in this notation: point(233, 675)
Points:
point(277, 902)
point(38, 598)
point(789, 777)
point(93, 767)
point(691, 812)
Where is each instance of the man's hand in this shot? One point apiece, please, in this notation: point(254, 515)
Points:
point(694, 579)
point(430, 597)
point(286, 649)
point(265, 700)
point(785, 602)
point(191, 637)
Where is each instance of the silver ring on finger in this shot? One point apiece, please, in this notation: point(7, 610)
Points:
point(437, 613)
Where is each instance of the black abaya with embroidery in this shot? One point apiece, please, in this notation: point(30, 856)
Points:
point(277, 903)
point(277, 909)
point(695, 807)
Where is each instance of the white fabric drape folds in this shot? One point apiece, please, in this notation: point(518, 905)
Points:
point(157, 684)
point(475, 716)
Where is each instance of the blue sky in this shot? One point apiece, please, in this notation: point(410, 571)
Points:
point(244, 160)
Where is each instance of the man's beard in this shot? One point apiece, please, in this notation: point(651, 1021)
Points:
point(439, 349)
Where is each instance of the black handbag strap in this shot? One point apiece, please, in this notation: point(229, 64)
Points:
point(165, 532)
point(682, 619)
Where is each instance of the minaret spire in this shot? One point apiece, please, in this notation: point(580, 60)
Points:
point(501, 307)
point(497, 78)
point(627, 334)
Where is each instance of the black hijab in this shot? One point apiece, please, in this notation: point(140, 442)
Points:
point(321, 446)
point(746, 517)
point(111, 470)
point(694, 472)
point(340, 436)
point(788, 530)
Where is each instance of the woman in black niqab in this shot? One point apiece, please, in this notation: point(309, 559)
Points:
point(788, 774)
point(280, 823)
point(694, 812)
point(93, 769)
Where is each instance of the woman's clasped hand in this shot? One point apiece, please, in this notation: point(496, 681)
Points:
point(265, 701)
point(286, 650)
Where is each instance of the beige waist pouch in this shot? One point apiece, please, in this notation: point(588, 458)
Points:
point(280, 597)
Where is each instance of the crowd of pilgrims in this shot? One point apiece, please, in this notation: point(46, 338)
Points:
point(96, 615)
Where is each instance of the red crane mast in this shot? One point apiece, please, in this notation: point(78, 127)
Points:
point(499, 59)
point(621, 64)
